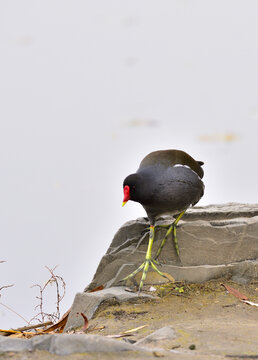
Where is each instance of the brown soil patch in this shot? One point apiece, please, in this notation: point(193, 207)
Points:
point(204, 315)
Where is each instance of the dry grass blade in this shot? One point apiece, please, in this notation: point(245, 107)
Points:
point(20, 335)
point(235, 292)
point(60, 324)
point(17, 334)
point(8, 307)
point(250, 303)
point(21, 332)
point(8, 332)
point(116, 336)
point(127, 332)
point(30, 327)
point(135, 329)
point(86, 322)
point(98, 288)
point(96, 328)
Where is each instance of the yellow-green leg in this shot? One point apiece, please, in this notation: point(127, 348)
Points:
point(148, 261)
point(170, 229)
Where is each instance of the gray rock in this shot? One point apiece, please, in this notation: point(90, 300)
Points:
point(222, 211)
point(165, 333)
point(41, 342)
point(88, 303)
point(65, 344)
point(15, 345)
point(214, 241)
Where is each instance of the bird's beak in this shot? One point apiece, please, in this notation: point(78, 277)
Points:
point(124, 202)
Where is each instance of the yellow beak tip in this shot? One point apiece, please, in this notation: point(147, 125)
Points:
point(124, 202)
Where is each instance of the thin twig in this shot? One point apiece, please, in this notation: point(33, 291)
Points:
point(7, 307)
point(57, 280)
point(6, 286)
point(29, 327)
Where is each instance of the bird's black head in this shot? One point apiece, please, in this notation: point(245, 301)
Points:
point(132, 188)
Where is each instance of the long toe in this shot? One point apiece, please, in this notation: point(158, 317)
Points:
point(134, 272)
point(145, 270)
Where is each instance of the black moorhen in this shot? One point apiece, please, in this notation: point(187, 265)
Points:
point(167, 181)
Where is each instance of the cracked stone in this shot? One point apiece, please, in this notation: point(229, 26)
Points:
point(14, 345)
point(214, 241)
point(65, 344)
point(88, 303)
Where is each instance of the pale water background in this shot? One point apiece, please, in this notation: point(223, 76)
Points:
point(87, 89)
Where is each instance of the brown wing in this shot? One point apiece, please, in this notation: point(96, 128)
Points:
point(171, 158)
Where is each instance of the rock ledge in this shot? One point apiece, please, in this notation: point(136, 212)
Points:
point(214, 241)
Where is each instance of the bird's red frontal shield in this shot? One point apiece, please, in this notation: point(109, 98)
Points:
point(126, 194)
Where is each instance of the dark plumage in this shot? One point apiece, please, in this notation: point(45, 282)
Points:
point(167, 181)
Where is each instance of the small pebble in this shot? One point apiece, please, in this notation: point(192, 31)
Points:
point(158, 354)
point(129, 341)
point(152, 288)
point(192, 347)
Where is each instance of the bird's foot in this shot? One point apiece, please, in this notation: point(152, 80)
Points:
point(148, 262)
point(145, 267)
